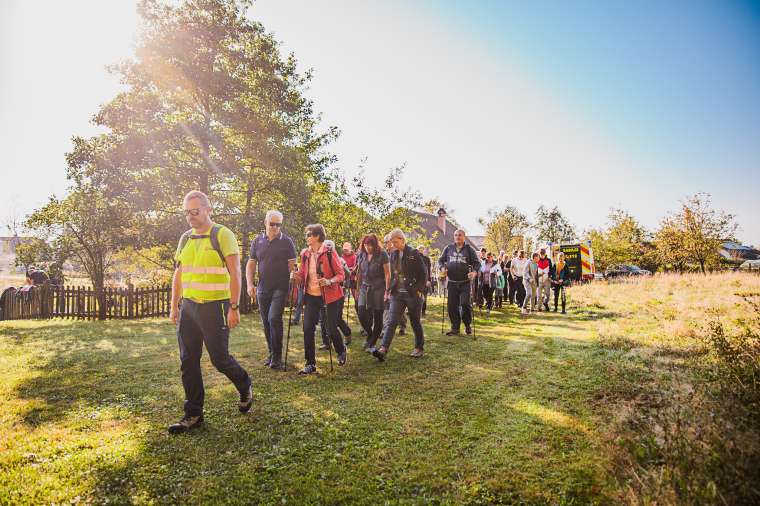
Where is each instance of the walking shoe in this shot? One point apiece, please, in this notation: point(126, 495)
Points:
point(308, 369)
point(276, 365)
point(187, 423)
point(323, 347)
point(342, 358)
point(246, 401)
point(453, 332)
point(379, 354)
point(416, 353)
point(468, 330)
point(546, 306)
point(267, 362)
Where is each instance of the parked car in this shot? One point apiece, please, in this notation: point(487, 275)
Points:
point(623, 270)
point(750, 265)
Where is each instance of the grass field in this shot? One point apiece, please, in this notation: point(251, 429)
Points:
point(529, 412)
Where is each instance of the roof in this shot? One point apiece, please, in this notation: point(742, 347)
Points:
point(429, 223)
point(477, 240)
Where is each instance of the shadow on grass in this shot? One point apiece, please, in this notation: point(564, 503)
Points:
point(470, 422)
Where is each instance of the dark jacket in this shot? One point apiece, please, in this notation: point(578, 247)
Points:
point(428, 266)
point(559, 278)
point(413, 268)
point(458, 264)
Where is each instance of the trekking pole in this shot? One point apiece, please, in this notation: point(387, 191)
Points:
point(329, 345)
point(290, 320)
point(443, 314)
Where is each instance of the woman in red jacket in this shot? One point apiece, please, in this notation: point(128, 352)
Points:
point(321, 275)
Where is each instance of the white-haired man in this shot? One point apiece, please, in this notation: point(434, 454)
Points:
point(274, 253)
point(408, 280)
point(207, 279)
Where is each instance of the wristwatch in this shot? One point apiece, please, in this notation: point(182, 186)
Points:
point(234, 307)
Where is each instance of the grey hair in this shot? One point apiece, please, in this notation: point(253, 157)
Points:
point(387, 238)
point(196, 194)
point(397, 233)
point(276, 214)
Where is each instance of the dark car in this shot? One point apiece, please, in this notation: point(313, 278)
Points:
point(623, 270)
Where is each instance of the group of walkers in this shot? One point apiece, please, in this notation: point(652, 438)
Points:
point(388, 282)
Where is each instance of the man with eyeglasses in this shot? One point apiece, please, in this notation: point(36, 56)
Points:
point(207, 279)
point(274, 253)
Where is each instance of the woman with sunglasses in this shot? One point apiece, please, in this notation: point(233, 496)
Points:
point(321, 275)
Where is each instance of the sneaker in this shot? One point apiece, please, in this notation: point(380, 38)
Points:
point(468, 330)
point(187, 423)
point(342, 358)
point(323, 347)
point(276, 365)
point(308, 369)
point(379, 354)
point(246, 401)
point(416, 353)
point(453, 332)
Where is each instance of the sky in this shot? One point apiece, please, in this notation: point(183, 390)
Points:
point(587, 105)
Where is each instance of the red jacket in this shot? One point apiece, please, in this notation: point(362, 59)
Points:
point(329, 264)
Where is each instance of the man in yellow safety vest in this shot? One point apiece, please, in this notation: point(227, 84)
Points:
point(207, 278)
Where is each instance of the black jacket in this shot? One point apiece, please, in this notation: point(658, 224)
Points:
point(428, 266)
point(459, 263)
point(413, 268)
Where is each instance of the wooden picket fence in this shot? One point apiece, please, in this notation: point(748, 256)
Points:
point(81, 302)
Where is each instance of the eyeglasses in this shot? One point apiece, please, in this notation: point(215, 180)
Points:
point(193, 212)
point(273, 224)
point(309, 234)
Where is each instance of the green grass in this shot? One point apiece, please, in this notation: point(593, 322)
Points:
point(527, 413)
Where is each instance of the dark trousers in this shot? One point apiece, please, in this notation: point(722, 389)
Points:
point(199, 324)
point(271, 306)
point(459, 297)
point(559, 289)
point(372, 323)
point(519, 291)
point(488, 296)
point(512, 283)
point(400, 302)
point(312, 306)
point(342, 324)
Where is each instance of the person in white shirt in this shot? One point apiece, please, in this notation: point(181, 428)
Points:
point(489, 271)
point(516, 269)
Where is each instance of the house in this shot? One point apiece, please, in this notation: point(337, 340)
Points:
point(8, 244)
point(439, 229)
point(735, 252)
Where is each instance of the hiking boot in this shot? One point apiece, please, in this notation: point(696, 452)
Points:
point(416, 353)
point(342, 358)
point(453, 332)
point(468, 330)
point(246, 400)
point(187, 423)
point(379, 354)
point(308, 369)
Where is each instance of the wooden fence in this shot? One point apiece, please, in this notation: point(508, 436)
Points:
point(81, 302)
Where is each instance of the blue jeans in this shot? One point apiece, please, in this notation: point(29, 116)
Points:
point(400, 302)
point(271, 306)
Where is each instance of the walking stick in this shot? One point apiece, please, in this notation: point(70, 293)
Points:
point(329, 346)
point(290, 320)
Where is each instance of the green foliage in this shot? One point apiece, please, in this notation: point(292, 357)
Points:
point(505, 229)
point(622, 242)
point(552, 226)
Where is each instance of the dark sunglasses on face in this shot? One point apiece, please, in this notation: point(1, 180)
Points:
point(273, 224)
point(193, 212)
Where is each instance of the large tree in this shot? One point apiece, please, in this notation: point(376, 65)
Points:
point(552, 226)
point(623, 241)
point(211, 104)
point(695, 233)
point(505, 228)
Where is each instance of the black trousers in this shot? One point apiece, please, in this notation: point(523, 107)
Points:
point(372, 323)
point(459, 297)
point(519, 291)
point(398, 303)
point(512, 283)
point(201, 324)
point(488, 296)
point(312, 307)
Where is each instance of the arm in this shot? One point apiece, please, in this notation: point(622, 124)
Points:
point(233, 265)
point(176, 293)
point(250, 275)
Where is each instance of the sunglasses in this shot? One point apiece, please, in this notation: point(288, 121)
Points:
point(273, 224)
point(309, 234)
point(193, 212)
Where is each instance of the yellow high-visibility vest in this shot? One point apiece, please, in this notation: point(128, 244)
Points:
point(204, 276)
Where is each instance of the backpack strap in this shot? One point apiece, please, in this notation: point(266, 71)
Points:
point(182, 243)
point(214, 237)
